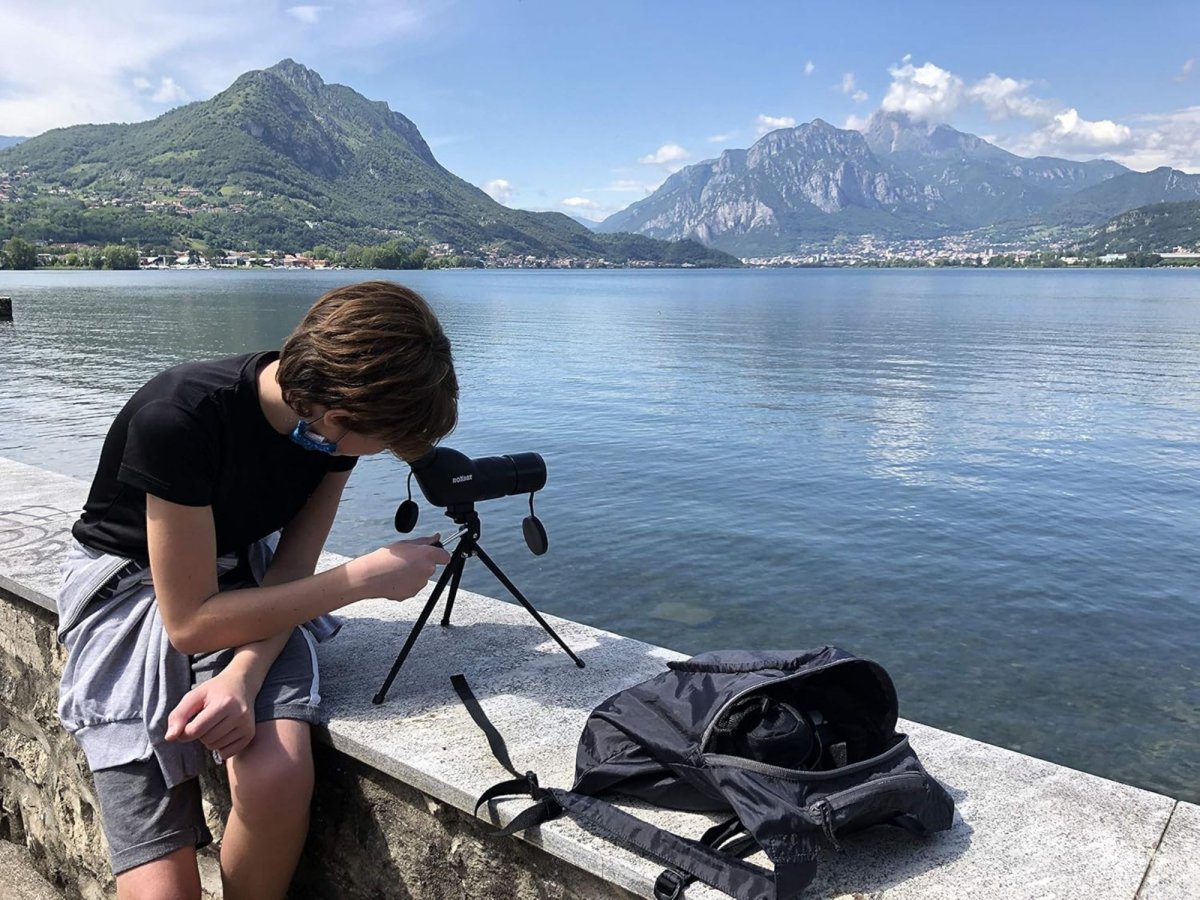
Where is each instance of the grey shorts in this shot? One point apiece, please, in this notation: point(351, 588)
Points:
point(143, 820)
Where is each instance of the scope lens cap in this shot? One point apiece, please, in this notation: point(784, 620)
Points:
point(406, 516)
point(535, 535)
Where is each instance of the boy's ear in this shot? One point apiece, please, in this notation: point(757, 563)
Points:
point(338, 417)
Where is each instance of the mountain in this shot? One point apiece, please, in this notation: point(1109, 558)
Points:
point(900, 177)
point(589, 224)
point(1161, 227)
point(1128, 192)
point(813, 182)
point(8, 140)
point(981, 183)
point(282, 160)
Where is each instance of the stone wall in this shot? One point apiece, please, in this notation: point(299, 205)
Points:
point(46, 797)
point(371, 836)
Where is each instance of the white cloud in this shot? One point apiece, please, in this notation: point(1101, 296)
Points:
point(1186, 69)
point(1164, 139)
point(309, 15)
point(849, 86)
point(809, 68)
point(1006, 98)
point(104, 64)
point(1159, 139)
point(627, 186)
point(169, 92)
point(1069, 126)
point(857, 123)
point(721, 138)
point(764, 123)
point(925, 92)
point(583, 208)
point(499, 190)
point(933, 94)
point(665, 155)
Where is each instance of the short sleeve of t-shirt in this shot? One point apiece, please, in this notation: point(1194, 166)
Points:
point(342, 463)
point(171, 454)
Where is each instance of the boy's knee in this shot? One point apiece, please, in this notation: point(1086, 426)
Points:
point(271, 779)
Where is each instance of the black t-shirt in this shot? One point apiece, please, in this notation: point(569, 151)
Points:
point(196, 435)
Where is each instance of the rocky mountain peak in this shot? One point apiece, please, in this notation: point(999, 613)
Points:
point(815, 139)
point(898, 132)
point(298, 77)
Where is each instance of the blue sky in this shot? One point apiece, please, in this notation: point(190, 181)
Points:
point(585, 107)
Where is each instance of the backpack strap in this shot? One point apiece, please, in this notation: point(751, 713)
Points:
point(729, 836)
point(690, 860)
point(494, 738)
point(716, 867)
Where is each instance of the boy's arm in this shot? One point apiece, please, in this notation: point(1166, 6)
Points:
point(305, 535)
point(198, 619)
point(295, 558)
point(220, 712)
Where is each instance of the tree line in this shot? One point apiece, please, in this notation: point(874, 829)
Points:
point(18, 253)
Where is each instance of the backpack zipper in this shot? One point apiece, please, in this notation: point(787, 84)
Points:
point(825, 810)
point(753, 765)
point(822, 810)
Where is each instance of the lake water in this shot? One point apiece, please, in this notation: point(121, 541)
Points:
point(987, 481)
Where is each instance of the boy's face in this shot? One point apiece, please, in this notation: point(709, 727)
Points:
point(354, 444)
point(331, 425)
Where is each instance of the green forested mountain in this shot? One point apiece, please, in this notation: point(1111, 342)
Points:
point(278, 160)
point(1159, 228)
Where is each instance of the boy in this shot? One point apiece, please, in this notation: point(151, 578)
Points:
point(188, 631)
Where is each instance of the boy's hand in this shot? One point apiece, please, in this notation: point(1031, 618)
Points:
point(219, 713)
point(400, 570)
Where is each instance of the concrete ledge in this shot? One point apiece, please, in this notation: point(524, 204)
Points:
point(1025, 827)
point(1174, 872)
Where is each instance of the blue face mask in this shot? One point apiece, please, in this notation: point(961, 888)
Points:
point(310, 440)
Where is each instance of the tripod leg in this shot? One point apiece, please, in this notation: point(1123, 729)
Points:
point(454, 580)
point(453, 571)
point(512, 589)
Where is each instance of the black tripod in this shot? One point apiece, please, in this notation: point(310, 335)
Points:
point(463, 514)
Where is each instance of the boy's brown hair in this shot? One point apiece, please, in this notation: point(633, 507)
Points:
point(376, 350)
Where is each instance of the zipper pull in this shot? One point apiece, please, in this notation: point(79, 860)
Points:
point(824, 811)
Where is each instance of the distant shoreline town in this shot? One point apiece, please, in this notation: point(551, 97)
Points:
point(20, 254)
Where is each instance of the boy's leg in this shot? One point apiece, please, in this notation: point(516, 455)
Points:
point(174, 876)
point(271, 780)
point(271, 785)
point(152, 831)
